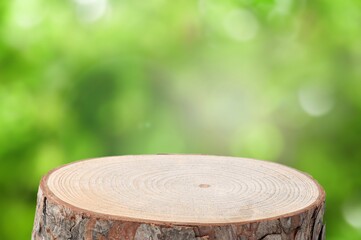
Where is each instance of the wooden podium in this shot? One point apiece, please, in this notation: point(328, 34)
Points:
point(174, 197)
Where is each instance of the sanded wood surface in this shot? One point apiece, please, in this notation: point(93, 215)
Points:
point(178, 197)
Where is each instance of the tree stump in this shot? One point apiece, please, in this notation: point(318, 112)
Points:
point(174, 197)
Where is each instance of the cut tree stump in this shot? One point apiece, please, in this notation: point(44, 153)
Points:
point(174, 197)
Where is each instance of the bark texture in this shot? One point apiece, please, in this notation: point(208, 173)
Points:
point(54, 220)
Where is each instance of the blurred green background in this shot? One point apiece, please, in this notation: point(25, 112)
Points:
point(278, 80)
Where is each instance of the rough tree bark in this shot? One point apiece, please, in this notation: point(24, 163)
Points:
point(63, 210)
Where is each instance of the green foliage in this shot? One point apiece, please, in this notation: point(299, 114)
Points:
point(277, 80)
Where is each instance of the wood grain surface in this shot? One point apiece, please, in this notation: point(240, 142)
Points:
point(178, 197)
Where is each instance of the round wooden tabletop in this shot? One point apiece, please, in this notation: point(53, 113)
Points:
point(183, 189)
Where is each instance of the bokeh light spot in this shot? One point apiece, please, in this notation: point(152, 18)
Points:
point(352, 212)
point(241, 25)
point(315, 100)
point(91, 10)
point(282, 7)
